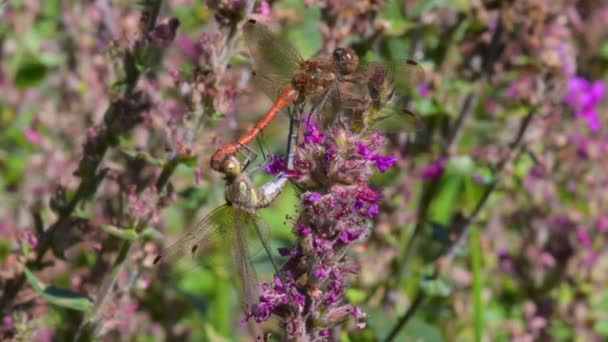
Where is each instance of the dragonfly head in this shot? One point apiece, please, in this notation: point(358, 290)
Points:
point(346, 60)
point(231, 167)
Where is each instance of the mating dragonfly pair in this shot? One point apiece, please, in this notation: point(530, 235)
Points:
point(339, 87)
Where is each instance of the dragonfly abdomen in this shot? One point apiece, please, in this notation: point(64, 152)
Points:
point(269, 191)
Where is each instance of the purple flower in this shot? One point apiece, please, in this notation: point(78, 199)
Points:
point(189, 48)
point(348, 236)
point(364, 151)
point(7, 322)
point(303, 230)
point(434, 169)
point(321, 245)
point(336, 164)
point(584, 238)
point(320, 272)
point(583, 96)
point(312, 133)
point(536, 171)
point(373, 210)
point(602, 224)
point(368, 195)
point(276, 164)
point(384, 162)
point(311, 197)
point(423, 89)
point(324, 333)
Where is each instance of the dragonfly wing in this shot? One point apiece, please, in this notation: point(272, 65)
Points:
point(213, 231)
point(396, 117)
point(406, 75)
point(272, 56)
point(271, 85)
point(392, 83)
point(248, 283)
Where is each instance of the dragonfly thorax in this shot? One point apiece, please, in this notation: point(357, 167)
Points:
point(314, 76)
point(241, 194)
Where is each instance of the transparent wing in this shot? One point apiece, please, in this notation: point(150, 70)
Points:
point(273, 57)
point(406, 75)
point(216, 230)
point(395, 117)
point(247, 279)
point(270, 85)
point(377, 95)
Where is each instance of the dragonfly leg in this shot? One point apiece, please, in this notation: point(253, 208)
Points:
point(250, 156)
point(294, 126)
point(261, 145)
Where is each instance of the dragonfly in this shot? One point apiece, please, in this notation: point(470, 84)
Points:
point(226, 227)
point(368, 92)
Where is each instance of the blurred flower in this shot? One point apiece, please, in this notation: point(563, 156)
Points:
point(31, 238)
point(602, 224)
point(505, 260)
point(583, 96)
point(423, 89)
point(264, 8)
point(520, 87)
point(32, 135)
point(45, 334)
point(584, 238)
point(7, 322)
point(190, 48)
point(434, 169)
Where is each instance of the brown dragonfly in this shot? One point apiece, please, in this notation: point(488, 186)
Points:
point(366, 93)
point(227, 226)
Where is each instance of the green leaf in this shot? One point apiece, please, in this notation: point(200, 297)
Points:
point(30, 73)
point(189, 161)
point(125, 234)
point(355, 295)
point(59, 296)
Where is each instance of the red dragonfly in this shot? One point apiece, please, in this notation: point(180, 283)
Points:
point(370, 92)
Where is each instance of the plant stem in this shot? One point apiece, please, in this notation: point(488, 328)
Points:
point(463, 225)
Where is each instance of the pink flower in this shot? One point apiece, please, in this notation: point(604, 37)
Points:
point(32, 135)
point(602, 224)
point(583, 96)
point(264, 9)
point(31, 238)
